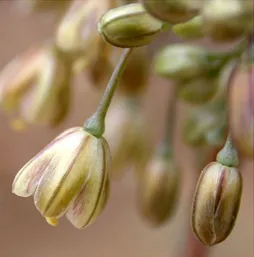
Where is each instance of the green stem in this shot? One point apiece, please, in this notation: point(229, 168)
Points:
point(95, 125)
point(166, 146)
point(228, 155)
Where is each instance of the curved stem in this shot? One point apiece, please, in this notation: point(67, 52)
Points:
point(95, 125)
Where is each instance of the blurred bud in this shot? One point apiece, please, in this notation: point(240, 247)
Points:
point(129, 26)
point(126, 135)
point(241, 109)
point(181, 62)
point(47, 103)
point(216, 203)
point(136, 73)
point(77, 34)
point(206, 126)
point(17, 77)
point(192, 29)
point(69, 176)
point(227, 20)
point(172, 11)
point(39, 91)
point(159, 190)
point(198, 90)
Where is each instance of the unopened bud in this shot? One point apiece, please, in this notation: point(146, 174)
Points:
point(227, 20)
point(191, 29)
point(197, 91)
point(216, 203)
point(172, 11)
point(181, 62)
point(159, 190)
point(129, 26)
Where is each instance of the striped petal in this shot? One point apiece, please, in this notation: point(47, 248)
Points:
point(89, 204)
point(68, 171)
point(28, 177)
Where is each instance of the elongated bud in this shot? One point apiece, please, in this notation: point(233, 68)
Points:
point(172, 11)
point(227, 20)
point(216, 203)
point(18, 77)
point(241, 109)
point(159, 190)
point(76, 34)
point(129, 26)
point(192, 29)
point(181, 62)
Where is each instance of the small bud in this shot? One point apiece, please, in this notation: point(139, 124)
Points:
point(181, 62)
point(129, 26)
point(172, 11)
point(216, 203)
point(241, 109)
point(192, 29)
point(197, 91)
point(77, 34)
point(227, 20)
point(69, 176)
point(159, 190)
point(126, 136)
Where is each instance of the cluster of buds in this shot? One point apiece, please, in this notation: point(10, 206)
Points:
point(71, 176)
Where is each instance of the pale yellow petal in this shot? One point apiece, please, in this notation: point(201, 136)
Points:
point(67, 173)
point(90, 202)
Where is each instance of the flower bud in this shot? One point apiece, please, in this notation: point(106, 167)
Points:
point(126, 136)
point(76, 34)
point(206, 126)
point(69, 176)
point(181, 62)
point(198, 90)
point(192, 29)
point(241, 109)
point(216, 203)
point(172, 11)
point(227, 20)
point(159, 190)
point(129, 26)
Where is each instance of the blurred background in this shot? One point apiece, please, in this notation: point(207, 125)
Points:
point(119, 231)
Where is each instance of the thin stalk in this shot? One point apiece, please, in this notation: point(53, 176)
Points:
point(95, 125)
point(167, 141)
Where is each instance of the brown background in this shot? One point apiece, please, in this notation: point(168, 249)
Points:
point(119, 231)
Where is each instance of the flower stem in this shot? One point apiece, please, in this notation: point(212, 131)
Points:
point(95, 125)
point(166, 147)
point(228, 155)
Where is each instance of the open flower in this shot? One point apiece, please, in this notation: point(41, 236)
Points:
point(69, 176)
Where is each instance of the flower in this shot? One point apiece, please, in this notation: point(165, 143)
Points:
point(69, 176)
point(216, 203)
